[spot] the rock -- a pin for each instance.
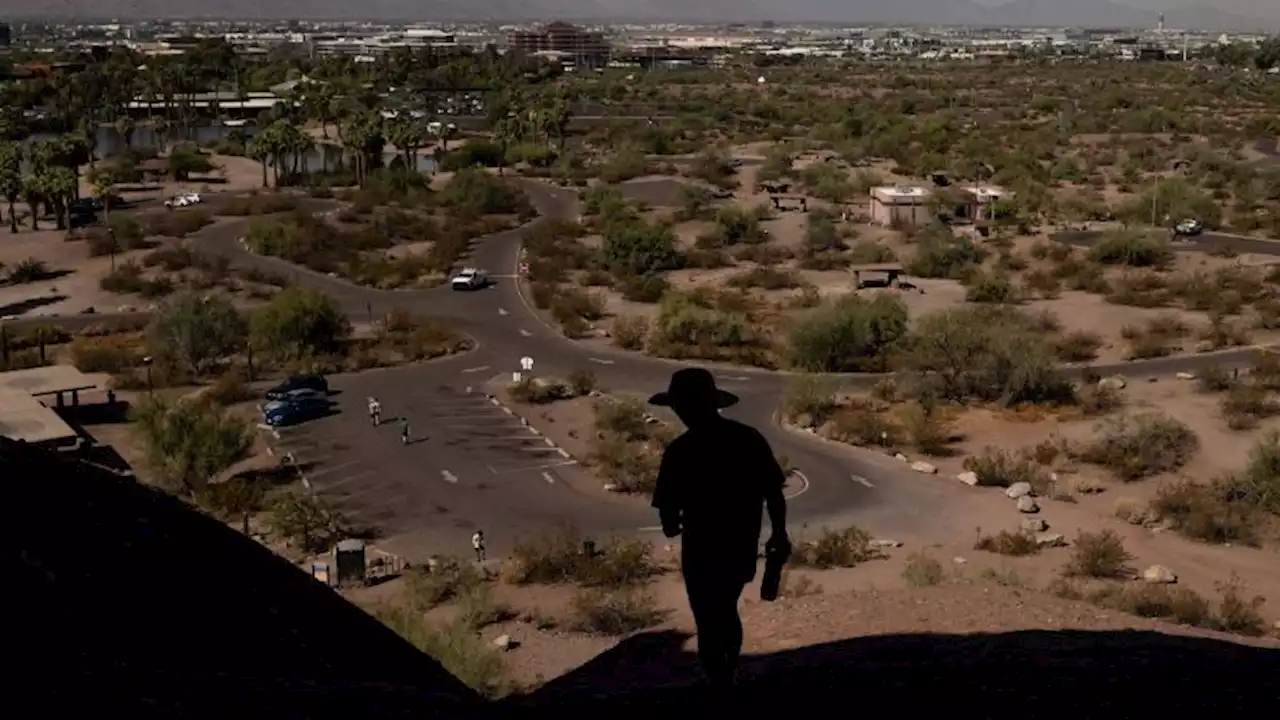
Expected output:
(1115, 382)
(1027, 504)
(968, 478)
(1018, 490)
(959, 560)
(1047, 539)
(502, 642)
(1185, 376)
(885, 544)
(900, 457)
(610, 487)
(804, 420)
(1034, 525)
(1159, 574)
(921, 466)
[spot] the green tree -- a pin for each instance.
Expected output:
(11, 179)
(304, 520)
(638, 248)
(189, 442)
(298, 323)
(196, 332)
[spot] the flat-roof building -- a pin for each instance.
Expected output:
(901, 205)
(23, 416)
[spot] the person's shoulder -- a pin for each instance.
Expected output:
(743, 431)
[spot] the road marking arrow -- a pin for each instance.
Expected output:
(861, 481)
(476, 369)
(449, 477)
(525, 333)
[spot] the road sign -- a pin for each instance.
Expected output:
(526, 363)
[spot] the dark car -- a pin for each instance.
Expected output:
(298, 382)
(296, 411)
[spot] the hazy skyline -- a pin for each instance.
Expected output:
(1211, 14)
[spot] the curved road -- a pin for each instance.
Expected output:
(844, 485)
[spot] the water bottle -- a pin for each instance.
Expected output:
(771, 584)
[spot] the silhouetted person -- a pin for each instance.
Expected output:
(477, 544)
(711, 487)
(404, 431)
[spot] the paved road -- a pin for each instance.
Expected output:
(473, 466)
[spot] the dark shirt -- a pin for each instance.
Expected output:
(717, 478)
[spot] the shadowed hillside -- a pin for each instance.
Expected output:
(128, 601)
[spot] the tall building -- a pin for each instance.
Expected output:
(586, 48)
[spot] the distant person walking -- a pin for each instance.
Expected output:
(712, 485)
(375, 412)
(404, 431)
(477, 544)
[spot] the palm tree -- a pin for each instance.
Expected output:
(33, 193)
(259, 148)
(125, 126)
(60, 185)
(11, 179)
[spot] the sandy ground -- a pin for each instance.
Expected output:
(231, 174)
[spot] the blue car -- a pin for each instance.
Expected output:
(316, 383)
(298, 411)
(292, 398)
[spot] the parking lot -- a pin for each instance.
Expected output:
(469, 464)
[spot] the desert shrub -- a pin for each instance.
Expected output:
(645, 289)
(258, 204)
(1099, 399)
(1161, 602)
(1223, 333)
(1135, 249)
(942, 255)
(923, 571)
(1139, 446)
(986, 287)
(710, 326)
(1246, 404)
(1211, 512)
(427, 587)
(614, 612)
(630, 331)
(1098, 555)
(582, 382)
(537, 391)
(861, 423)
(1007, 543)
(478, 608)
(1214, 378)
(1237, 614)
(566, 557)
(843, 548)
(1000, 468)
(230, 389)
(928, 429)
(811, 396)
(457, 647)
(177, 223)
(1140, 289)
(108, 354)
(847, 335)
(765, 278)
(1077, 346)
(992, 354)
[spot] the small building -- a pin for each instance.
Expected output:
(979, 201)
(901, 205)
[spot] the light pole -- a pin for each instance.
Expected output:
(146, 362)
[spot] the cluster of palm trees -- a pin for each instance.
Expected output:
(48, 181)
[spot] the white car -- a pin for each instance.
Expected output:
(1189, 227)
(469, 279)
(184, 200)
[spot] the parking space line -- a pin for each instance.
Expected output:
(345, 479)
(333, 468)
(550, 480)
(540, 449)
(449, 477)
(528, 468)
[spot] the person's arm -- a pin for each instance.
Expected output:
(665, 493)
(775, 501)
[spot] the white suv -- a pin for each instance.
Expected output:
(184, 200)
(469, 279)
(1189, 227)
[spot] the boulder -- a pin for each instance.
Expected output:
(610, 487)
(502, 642)
(1034, 525)
(804, 420)
(921, 466)
(1048, 539)
(884, 544)
(1027, 504)
(968, 478)
(1115, 382)
(1018, 490)
(1185, 376)
(900, 457)
(1158, 575)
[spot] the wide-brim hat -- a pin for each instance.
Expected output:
(694, 387)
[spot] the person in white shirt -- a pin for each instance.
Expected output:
(477, 544)
(375, 412)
